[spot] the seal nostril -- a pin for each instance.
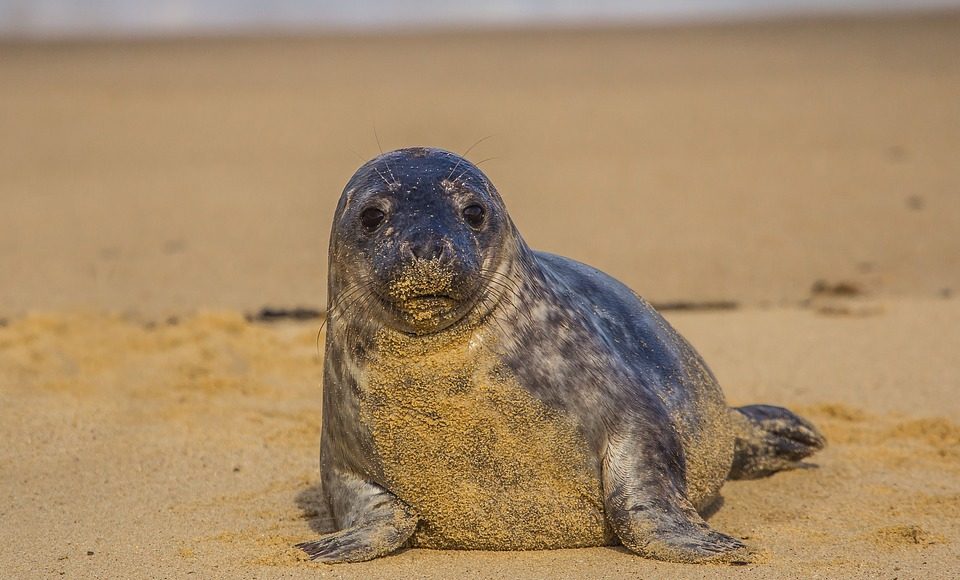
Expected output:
(429, 249)
(425, 251)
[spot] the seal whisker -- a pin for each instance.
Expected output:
(503, 281)
(475, 143)
(502, 278)
(354, 151)
(365, 307)
(356, 294)
(462, 173)
(493, 315)
(465, 153)
(517, 297)
(477, 164)
(362, 283)
(396, 182)
(359, 307)
(340, 302)
(513, 291)
(502, 289)
(520, 294)
(504, 284)
(319, 332)
(454, 168)
(389, 184)
(344, 299)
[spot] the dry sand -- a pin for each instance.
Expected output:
(193, 448)
(739, 163)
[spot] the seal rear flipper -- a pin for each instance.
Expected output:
(375, 534)
(771, 439)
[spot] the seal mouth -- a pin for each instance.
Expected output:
(428, 308)
(426, 295)
(431, 297)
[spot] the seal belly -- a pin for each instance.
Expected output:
(485, 464)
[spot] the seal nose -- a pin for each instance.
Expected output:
(427, 248)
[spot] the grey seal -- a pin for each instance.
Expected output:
(478, 394)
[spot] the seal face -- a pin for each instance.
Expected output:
(480, 395)
(421, 234)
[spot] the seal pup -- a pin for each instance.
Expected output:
(481, 395)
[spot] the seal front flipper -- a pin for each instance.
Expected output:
(645, 502)
(379, 524)
(771, 439)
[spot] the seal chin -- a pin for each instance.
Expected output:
(429, 313)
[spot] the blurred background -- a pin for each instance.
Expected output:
(178, 162)
(159, 157)
(72, 18)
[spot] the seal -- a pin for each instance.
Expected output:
(478, 394)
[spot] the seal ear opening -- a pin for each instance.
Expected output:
(771, 439)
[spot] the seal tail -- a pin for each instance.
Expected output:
(771, 439)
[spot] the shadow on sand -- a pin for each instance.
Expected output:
(314, 509)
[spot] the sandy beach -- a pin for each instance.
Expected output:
(790, 192)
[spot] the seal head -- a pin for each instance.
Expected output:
(416, 235)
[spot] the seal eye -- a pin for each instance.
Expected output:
(474, 215)
(371, 218)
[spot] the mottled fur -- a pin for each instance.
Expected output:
(524, 353)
